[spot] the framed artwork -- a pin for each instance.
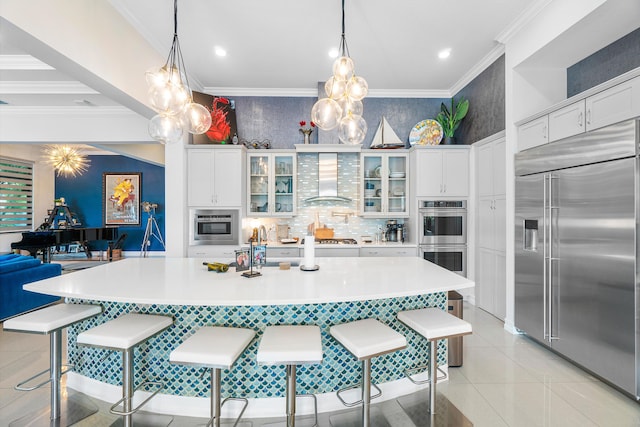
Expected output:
(121, 198)
(223, 119)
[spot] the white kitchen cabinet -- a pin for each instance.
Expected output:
(397, 251)
(441, 172)
(567, 121)
(613, 105)
(280, 252)
(219, 253)
(533, 133)
(491, 227)
(271, 184)
(490, 279)
(215, 177)
(385, 185)
(344, 251)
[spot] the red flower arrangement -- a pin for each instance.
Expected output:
(304, 130)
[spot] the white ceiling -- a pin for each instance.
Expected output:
(280, 47)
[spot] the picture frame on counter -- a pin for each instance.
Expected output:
(242, 259)
(121, 198)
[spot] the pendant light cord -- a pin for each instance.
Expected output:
(344, 49)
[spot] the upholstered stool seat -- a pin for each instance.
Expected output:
(434, 324)
(291, 345)
(217, 348)
(51, 321)
(123, 334)
(365, 339)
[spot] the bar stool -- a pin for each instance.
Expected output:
(291, 345)
(123, 334)
(217, 348)
(51, 321)
(434, 324)
(365, 339)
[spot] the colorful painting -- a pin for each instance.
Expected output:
(121, 198)
(223, 119)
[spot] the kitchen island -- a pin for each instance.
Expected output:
(342, 290)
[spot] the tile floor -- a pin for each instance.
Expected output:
(505, 380)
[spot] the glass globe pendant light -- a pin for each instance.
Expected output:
(171, 97)
(352, 129)
(343, 106)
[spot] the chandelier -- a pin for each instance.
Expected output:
(171, 97)
(66, 160)
(342, 108)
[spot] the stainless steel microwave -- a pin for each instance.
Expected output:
(214, 227)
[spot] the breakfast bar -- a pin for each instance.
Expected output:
(341, 290)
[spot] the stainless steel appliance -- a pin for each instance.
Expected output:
(576, 228)
(214, 227)
(442, 221)
(451, 257)
(443, 233)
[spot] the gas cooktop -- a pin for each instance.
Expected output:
(335, 241)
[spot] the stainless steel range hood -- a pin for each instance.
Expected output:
(328, 179)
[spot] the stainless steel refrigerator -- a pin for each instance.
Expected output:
(576, 219)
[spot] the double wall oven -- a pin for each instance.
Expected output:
(443, 233)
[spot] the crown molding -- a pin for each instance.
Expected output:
(257, 91)
(22, 62)
(408, 93)
(521, 20)
(7, 111)
(474, 72)
(313, 93)
(45, 87)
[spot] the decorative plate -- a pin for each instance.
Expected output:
(377, 172)
(426, 132)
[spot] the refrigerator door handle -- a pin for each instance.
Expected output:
(550, 259)
(545, 255)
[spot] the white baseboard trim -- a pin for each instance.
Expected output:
(511, 328)
(257, 408)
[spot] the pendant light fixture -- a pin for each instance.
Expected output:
(171, 97)
(342, 108)
(66, 160)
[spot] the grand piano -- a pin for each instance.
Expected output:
(35, 241)
(62, 228)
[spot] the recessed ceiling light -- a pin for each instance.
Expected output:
(333, 53)
(220, 51)
(443, 54)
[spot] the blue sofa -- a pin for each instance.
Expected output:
(15, 271)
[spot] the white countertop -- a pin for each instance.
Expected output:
(185, 281)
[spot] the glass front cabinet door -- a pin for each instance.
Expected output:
(384, 185)
(272, 181)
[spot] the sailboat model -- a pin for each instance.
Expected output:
(385, 137)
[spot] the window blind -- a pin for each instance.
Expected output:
(16, 195)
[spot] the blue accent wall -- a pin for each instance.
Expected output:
(611, 61)
(83, 195)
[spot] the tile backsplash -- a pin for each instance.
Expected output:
(348, 186)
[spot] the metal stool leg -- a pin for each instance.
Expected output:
(55, 361)
(215, 398)
(433, 367)
(127, 386)
(291, 395)
(366, 392)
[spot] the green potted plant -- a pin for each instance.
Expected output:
(450, 120)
